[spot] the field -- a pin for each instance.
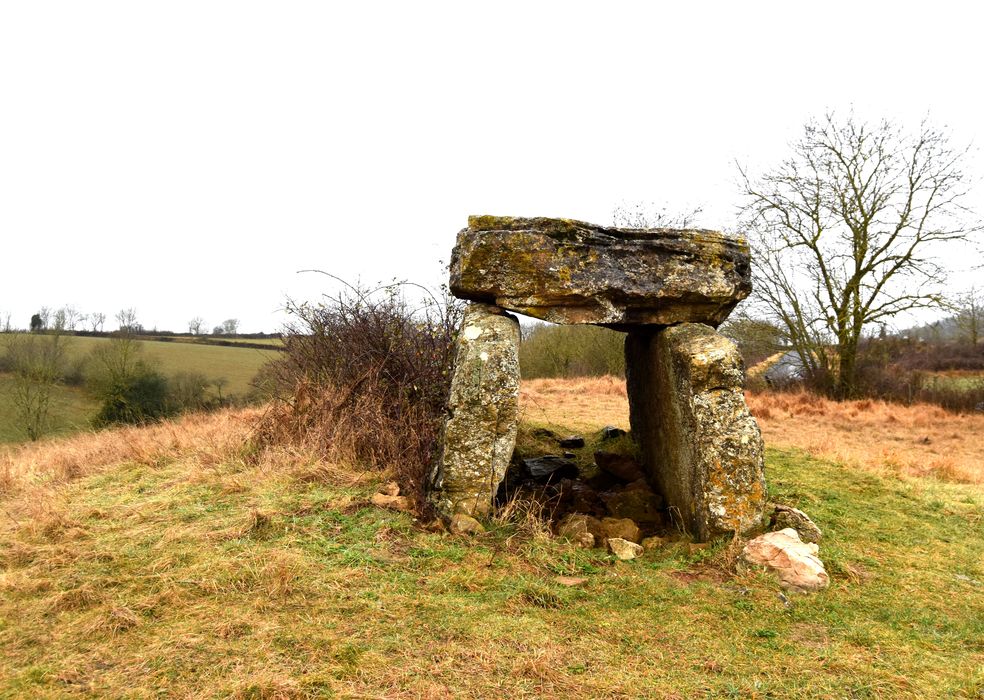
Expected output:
(73, 409)
(885, 438)
(175, 560)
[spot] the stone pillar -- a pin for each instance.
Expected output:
(699, 444)
(479, 431)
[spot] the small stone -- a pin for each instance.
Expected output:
(623, 549)
(581, 498)
(619, 528)
(550, 466)
(462, 524)
(572, 441)
(610, 432)
(435, 525)
(570, 580)
(654, 542)
(569, 455)
(619, 466)
(786, 516)
(579, 529)
(794, 561)
(391, 489)
(637, 503)
(401, 503)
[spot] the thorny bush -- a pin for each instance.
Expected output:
(365, 378)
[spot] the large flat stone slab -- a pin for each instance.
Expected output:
(479, 432)
(699, 443)
(567, 271)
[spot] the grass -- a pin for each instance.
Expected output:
(72, 409)
(959, 380)
(888, 438)
(170, 560)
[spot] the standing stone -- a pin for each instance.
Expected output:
(699, 443)
(568, 271)
(479, 431)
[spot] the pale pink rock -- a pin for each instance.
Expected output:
(795, 562)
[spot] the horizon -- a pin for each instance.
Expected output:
(190, 160)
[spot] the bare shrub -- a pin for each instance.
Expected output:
(364, 379)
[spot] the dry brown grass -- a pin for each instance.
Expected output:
(918, 440)
(585, 403)
(206, 437)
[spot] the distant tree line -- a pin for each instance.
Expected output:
(128, 387)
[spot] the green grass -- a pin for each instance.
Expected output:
(72, 409)
(955, 382)
(170, 577)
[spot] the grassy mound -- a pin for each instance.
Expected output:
(178, 564)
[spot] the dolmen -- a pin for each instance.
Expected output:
(668, 290)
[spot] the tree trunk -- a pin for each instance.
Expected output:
(846, 385)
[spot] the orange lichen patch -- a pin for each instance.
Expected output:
(918, 440)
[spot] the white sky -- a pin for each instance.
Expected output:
(187, 158)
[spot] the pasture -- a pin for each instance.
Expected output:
(174, 559)
(73, 409)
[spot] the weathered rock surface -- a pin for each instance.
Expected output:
(382, 500)
(479, 433)
(550, 465)
(568, 271)
(610, 432)
(701, 447)
(572, 442)
(623, 549)
(622, 528)
(794, 561)
(636, 502)
(462, 524)
(654, 542)
(578, 529)
(787, 516)
(619, 466)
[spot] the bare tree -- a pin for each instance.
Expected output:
(71, 317)
(196, 326)
(845, 233)
(127, 319)
(230, 326)
(37, 362)
(970, 315)
(60, 320)
(5, 321)
(96, 321)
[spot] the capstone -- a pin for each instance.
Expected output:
(567, 271)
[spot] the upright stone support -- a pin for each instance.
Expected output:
(699, 443)
(479, 431)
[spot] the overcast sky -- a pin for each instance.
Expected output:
(187, 158)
